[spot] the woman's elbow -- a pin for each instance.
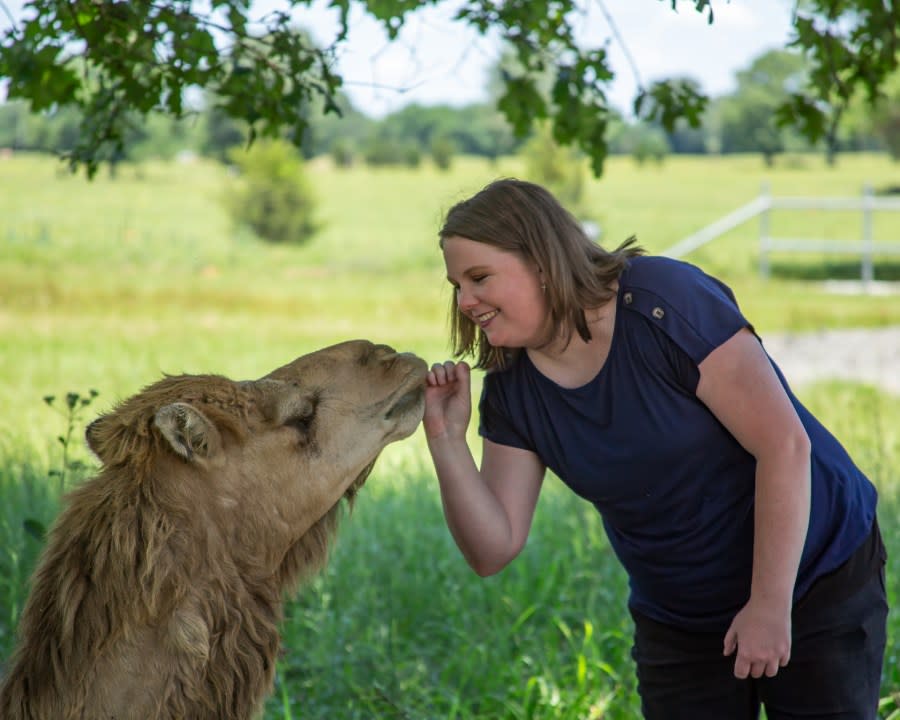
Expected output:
(486, 568)
(799, 444)
(791, 449)
(487, 564)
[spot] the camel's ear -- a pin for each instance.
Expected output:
(188, 431)
(93, 435)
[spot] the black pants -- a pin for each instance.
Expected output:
(837, 651)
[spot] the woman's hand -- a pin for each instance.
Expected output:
(448, 400)
(760, 639)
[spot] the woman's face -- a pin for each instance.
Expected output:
(499, 291)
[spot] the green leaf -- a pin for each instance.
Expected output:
(669, 100)
(521, 103)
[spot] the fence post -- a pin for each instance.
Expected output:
(765, 239)
(868, 271)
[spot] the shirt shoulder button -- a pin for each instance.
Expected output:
(659, 313)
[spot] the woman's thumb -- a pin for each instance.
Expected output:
(730, 644)
(463, 372)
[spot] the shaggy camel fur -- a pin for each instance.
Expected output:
(160, 589)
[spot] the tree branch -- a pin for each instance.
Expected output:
(12, 20)
(621, 41)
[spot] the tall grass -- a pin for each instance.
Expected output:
(397, 626)
(28, 503)
(402, 628)
(107, 285)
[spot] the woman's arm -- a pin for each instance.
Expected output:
(488, 510)
(741, 388)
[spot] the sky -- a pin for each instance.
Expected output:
(437, 61)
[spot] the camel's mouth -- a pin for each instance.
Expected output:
(409, 398)
(406, 403)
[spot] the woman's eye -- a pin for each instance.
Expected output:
(479, 278)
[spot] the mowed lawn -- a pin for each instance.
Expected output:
(108, 284)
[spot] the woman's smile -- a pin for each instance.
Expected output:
(485, 318)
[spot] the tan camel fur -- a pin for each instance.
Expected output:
(160, 589)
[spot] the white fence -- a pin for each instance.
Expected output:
(866, 246)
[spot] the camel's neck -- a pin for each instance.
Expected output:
(128, 583)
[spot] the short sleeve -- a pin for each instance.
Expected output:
(695, 310)
(495, 421)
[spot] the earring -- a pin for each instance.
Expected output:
(543, 287)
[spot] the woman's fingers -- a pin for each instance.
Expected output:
(445, 373)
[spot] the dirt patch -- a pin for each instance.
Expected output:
(869, 355)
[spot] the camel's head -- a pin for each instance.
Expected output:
(267, 458)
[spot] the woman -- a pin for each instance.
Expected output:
(748, 534)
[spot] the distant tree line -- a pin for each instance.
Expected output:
(119, 62)
(740, 122)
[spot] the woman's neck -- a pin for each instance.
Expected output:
(577, 362)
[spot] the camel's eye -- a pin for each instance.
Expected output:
(302, 418)
(303, 423)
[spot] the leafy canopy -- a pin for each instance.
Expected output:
(116, 61)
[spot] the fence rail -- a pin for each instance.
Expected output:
(866, 247)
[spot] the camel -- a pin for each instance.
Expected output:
(160, 590)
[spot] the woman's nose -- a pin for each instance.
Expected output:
(465, 300)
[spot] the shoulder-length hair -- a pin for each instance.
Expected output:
(524, 218)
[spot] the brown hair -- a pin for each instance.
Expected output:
(525, 218)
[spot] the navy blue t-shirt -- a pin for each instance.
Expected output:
(674, 488)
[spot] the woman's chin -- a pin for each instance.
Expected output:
(497, 339)
(492, 340)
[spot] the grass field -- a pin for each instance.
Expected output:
(106, 285)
